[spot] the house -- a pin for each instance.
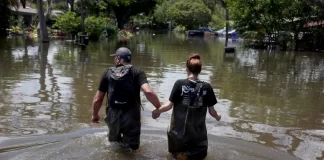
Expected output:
(312, 40)
(27, 13)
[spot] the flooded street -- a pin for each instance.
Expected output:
(275, 100)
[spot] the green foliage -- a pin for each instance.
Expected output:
(283, 39)
(121, 2)
(68, 23)
(123, 34)
(217, 22)
(12, 21)
(60, 6)
(111, 30)
(160, 12)
(274, 16)
(141, 20)
(20, 22)
(257, 14)
(124, 9)
(94, 26)
(253, 35)
(190, 13)
(211, 4)
(16, 29)
(180, 28)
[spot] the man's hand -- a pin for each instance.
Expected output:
(95, 118)
(218, 117)
(155, 114)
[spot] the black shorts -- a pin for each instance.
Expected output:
(123, 128)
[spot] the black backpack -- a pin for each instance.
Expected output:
(121, 88)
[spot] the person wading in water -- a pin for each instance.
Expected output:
(123, 84)
(191, 98)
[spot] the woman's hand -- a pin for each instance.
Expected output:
(213, 113)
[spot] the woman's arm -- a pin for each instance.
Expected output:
(156, 113)
(213, 113)
(165, 107)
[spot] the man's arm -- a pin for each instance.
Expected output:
(148, 91)
(96, 105)
(150, 95)
(99, 97)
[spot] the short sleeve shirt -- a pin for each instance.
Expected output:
(184, 116)
(183, 87)
(139, 79)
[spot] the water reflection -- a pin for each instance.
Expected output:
(273, 98)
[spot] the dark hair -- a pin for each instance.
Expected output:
(194, 63)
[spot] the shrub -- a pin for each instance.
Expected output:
(94, 26)
(68, 23)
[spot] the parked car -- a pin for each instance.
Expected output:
(201, 32)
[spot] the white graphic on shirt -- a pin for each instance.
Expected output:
(186, 89)
(188, 96)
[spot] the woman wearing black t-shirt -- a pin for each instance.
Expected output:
(190, 99)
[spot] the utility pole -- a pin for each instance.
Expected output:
(227, 25)
(82, 16)
(226, 48)
(83, 36)
(42, 31)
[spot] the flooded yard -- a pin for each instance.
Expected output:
(272, 103)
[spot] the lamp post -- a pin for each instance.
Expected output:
(82, 17)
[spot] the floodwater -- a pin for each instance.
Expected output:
(272, 103)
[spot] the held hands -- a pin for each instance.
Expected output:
(156, 114)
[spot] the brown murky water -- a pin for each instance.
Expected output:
(274, 99)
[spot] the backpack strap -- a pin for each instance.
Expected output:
(198, 87)
(120, 71)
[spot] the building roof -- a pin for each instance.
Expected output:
(27, 10)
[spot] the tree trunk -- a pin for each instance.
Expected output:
(23, 3)
(122, 16)
(41, 22)
(227, 25)
(72, 5)
(120, 19)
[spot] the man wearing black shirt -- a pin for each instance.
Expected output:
(122, 84)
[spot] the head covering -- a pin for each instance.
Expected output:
(123, 53)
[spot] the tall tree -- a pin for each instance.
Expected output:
(261, 15)
(319, 3)
(5, 12)
(190, 13)
(297, 13)
(124, 9)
